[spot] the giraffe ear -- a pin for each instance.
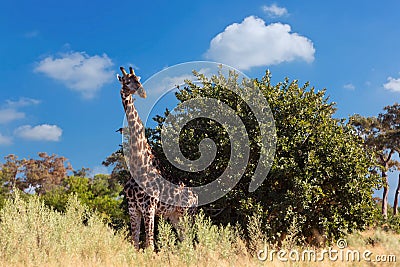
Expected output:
(138, 77)
(119, 78)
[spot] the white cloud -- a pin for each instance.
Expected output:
(78, 71)
(9, 111)
(392, 84)
(167, 83)
(4, 140)
(275, 11)
(252, 43)
(42, 132)
(349, 86)
(22, 102)
(10, 114)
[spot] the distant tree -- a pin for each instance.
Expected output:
(47, 177)
(45, 173)
(82, 172)
(382, 135)
(120, 173)
(97, 193)
(9, 176)
(4, 192)
(320, 178)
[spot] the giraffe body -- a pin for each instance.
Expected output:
(143, 201)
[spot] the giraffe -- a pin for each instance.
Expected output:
(143, 167)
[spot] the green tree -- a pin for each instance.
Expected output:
(98, 193)
(120, 173)
(320, 177)
(382, 135)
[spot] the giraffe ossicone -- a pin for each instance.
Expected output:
(143, 188)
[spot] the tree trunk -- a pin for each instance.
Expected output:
(385, 194)
(396, 198)
(385, 182)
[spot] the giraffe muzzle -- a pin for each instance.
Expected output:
(141, 92)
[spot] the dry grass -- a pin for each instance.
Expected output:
(372, 243)
(31, 234)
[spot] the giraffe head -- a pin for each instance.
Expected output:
(131, 83)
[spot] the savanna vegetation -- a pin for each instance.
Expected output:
(318, 190)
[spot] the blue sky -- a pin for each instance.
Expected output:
(59, 59)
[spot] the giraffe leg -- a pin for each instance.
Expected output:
(174, 219)
(135, 218)
(149, 225)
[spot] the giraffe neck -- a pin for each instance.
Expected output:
(140, 156)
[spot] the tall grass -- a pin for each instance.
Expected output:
(32, 234)
(202, 243)
(35, 235)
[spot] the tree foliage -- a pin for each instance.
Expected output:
(45, 173)
(98, 193)
(9, 175)
(320, 176)
(120, 173)
(40, 175)
(382, 135)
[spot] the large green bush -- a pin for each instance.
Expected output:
(319, 181)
